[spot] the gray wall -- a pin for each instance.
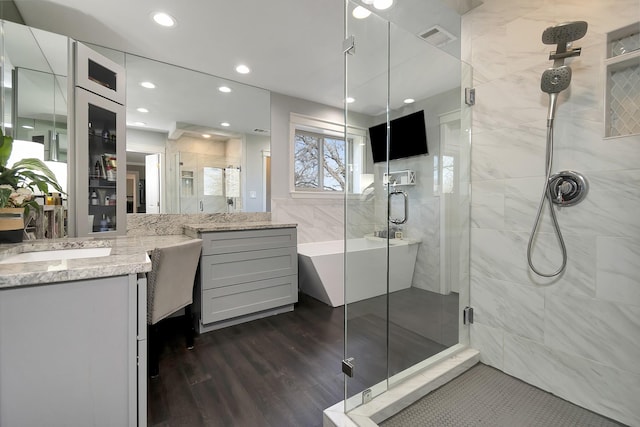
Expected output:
(255, 146)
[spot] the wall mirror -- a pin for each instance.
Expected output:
(212, 135)
(34, 96)
(189, 123)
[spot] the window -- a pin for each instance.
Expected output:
(320, 162)
(323, 163)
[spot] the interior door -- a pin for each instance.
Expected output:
(152, 177)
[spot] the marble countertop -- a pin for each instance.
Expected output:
(193, 229)
(128, 255)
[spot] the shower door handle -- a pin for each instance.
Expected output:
(406, 207)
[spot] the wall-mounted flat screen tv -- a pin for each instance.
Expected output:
(408, 138)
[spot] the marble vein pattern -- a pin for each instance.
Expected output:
(310, 215)
(592, 335)
(488, 204)
(490, 343)
(517, 309)
(617, 261)
(128, 256)
(167, 224)
(233, 226)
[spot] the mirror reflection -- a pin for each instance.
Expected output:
(195, 142)
(209, 135)
(34, 104)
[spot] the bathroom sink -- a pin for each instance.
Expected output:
(55, 255)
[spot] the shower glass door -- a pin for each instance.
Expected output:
(406, 224)
(366, 255)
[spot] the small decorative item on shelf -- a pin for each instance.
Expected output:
(94, 199)
(110, 166)
(105, 135)
(17, 184)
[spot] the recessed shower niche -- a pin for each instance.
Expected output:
(622, 97)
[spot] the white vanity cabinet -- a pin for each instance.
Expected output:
(70, 351)
(245, 275)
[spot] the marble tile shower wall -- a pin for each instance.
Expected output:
(576, 336)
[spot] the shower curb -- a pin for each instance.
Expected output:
(404, 394)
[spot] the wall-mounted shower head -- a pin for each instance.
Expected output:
(555, 80)
(565, 32)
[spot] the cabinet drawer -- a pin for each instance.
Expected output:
(232, 268)
(237, 241)
(247, 298)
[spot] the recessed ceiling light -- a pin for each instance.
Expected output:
(360, 12)
(142, 110)
(243, 69)
(409, 101)
(148, 85)
(350, 100)
(139, 124)
(28, 127)
(206, 135)
(225, 124)
(224, 89)
(164, 19)
(382, 4)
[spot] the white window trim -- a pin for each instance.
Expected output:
(324, 127)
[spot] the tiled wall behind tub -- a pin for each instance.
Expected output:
(577, 335)
(321, 220)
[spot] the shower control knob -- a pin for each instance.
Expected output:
(567, 188)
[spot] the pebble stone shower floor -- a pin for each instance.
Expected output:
(484, 396)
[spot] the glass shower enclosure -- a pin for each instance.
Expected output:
(407, 214)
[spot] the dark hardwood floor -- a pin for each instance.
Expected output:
(282, 370)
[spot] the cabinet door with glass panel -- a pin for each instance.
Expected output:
(100, 144)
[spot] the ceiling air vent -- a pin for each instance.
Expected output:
(258, 130)
(437, 36)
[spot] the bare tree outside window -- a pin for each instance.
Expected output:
(320, 162)
(307, 164)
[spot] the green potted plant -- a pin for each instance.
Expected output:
(17, 186)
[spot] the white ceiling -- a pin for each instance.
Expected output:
(293, 47)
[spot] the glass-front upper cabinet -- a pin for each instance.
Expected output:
(100, 144)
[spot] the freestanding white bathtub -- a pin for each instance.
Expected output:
(321, 268)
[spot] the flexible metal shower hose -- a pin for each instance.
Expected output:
(546, 195)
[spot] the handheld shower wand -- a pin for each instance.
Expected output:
(555, 80)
